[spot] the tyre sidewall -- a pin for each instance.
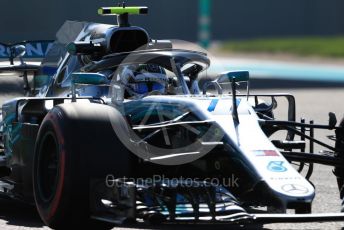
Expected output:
(71, 192)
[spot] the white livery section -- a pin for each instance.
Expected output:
(270, 165)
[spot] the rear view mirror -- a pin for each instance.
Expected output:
(228, 77)
(89, 78)
(238, 76)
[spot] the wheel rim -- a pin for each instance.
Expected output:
(48, 167)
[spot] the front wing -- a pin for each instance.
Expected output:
(181, 202)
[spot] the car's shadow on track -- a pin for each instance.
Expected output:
(19, 214)
(194, 226)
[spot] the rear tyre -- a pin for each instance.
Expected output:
(73, 146)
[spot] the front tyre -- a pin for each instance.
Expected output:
(339, 171)
(75, 143)
(59, 179)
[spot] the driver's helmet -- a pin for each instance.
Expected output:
(143, 79)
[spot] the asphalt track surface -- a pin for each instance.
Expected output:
(312, 103)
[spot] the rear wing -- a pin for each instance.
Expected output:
(34, 50)
(26, 51)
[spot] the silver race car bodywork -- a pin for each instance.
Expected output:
(80, 148)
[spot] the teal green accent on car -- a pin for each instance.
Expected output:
(11, 133)
(12, 130)
(238, 76)
(71, 48)
(89, 78)
(140, 110)
(42, 80)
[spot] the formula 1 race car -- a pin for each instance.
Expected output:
(119, 128)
